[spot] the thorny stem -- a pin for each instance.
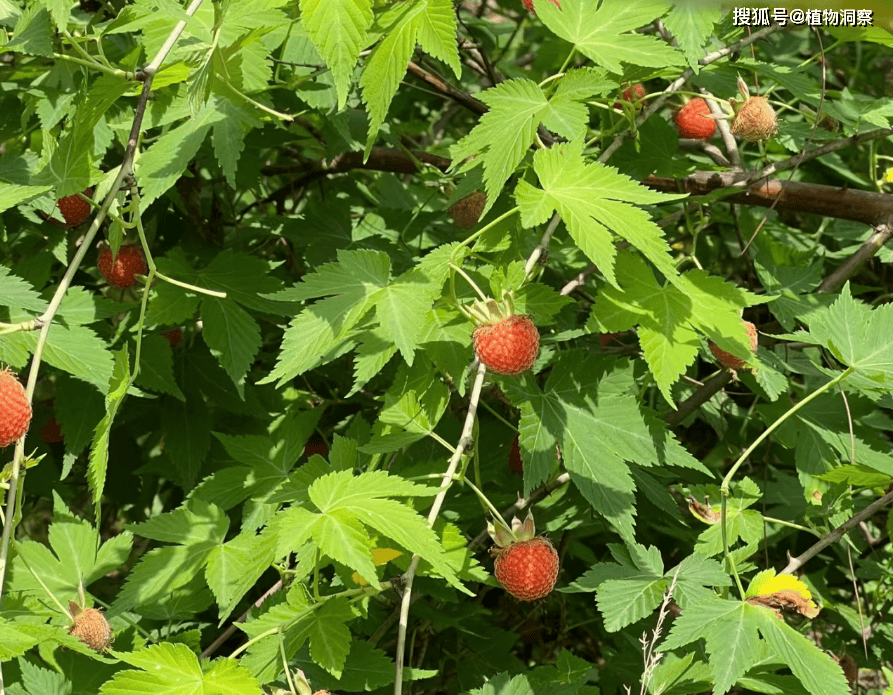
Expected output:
(676, 85)
(409, 576)
(124, 172)
(797, 562)
(724, 488)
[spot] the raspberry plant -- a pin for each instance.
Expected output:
(296, 496)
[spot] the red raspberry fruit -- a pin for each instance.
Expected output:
(15, 410)
(527, 569)
(693, 120)
(515, 461)
(467, 211)
(51, 433)
(727, 359)
(121, 270)
(755, 120)
(316, 445)
(173, 336)
(90, 627)
(507, 346)
(74, 209)
(606, 338)
(633, 95)
(529, 5)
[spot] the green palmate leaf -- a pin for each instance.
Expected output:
(344, 539)
(593, 200)
(175, 668)
(730, 634)
(196, 523)
(599, 427)
(159, 167)
(401, 311)
(502, 136)
(158, 575)
(730, 630)
(232, 335)
(246, 279)
(638, 593)
(228, 136)
(79, 408)
(692, 26)
(157, 367)
(603, 35)
(432, 24)
(857, 334)
(358, 274)
(72, 558)
(361, 496)
(18, 294)
(330, 639)
(373, 353)
(234, 567)
(670, 316)
(80, 352)
(14, 642)
(314, 337)
(416, 400)
(33, 32)
(338, 30)
(99, 454)
(741, 523)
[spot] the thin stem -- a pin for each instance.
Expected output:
(114, 72)
(409, 576)
(782, 522)
(470, 281)
(797, 562)
(186, 285)
(724, 488)
(487, 503)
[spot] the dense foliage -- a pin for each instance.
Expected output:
(261, 442)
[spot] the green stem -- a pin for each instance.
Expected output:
(114, 72)
(724, 488)
(443, 442)
(470, 281)
(186, 285)
(488, 226)
(489, 505)
(782, 522)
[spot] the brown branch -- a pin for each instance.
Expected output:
(849, 267)
(448, 90)
(829, 538)
(811, 198)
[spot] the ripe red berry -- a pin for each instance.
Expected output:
(316, 445)
(727, 359)
(15, 410)
(174, 336)
(51, 433)
(755, 120)
(527, 569)
(467, 211)
(90, 627)
(632, 94)
(529, 5)
(74, 209)
(515, 461)
(121, 270)
(606, 338)
(507, 346)
(693, 120)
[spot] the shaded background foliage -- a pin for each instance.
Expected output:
(302, 158)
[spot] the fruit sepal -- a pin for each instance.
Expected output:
(520, 531)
